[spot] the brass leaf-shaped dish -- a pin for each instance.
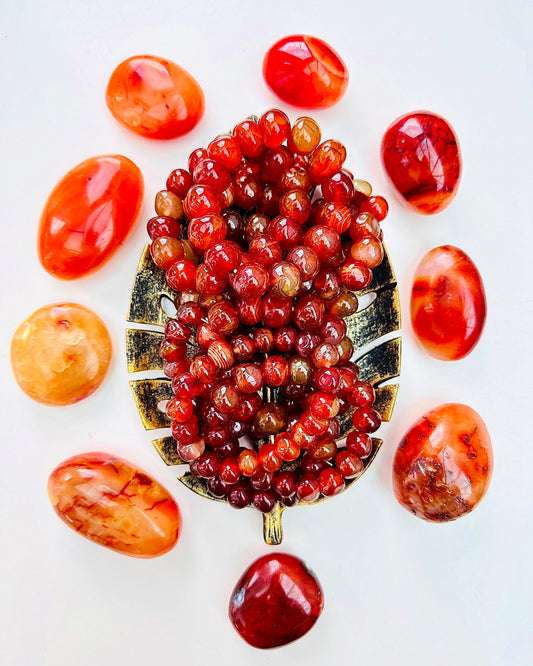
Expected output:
(377, 351)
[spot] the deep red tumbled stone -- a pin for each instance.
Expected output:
(276, 601)
(448, 306)
(305, 71)
(88, 215)
(154, 97)
(443, 465)
(420, 153)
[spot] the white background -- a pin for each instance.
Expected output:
(397, 590)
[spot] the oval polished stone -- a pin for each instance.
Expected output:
(443, 465)
(60, 354)
(109, 501)
(420, 153)
(88, 215)
(276, 601)
(448, 305)
(154, 97)
(305, 71)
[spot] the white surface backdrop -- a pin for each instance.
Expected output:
(397, 590)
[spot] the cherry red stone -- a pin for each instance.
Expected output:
(443, 465)
(305, 71)
(88, 215)
(448, 307)
(420, 153)
(154, 97)
(276, 601)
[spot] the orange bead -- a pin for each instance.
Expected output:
(109, 501)
(60, 354)
(154, 97)
(88, 215)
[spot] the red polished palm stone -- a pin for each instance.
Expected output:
(154, 97)
(305, 71)
(420, 153)
(448, 305)
(443, 465)
(276, 601)
(88, 215)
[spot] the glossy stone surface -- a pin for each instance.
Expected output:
(443, 465)
(109, 501)
(305, 71)
(420, 153)
(276, 601)
(88, 215)
(154, 97)
(448, 305)
(60, 354)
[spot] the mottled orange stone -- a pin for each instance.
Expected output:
(154, 97)
(60, 354)
(443, 465)
(109, 501)
(88, 215)
(448, 306)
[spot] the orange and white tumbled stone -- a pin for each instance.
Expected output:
(111, 502)
(60, 354)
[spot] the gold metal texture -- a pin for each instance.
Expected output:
(377, 352)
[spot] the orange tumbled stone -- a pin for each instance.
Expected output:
(443, 465)
(448, 305)
(109, 501)
(305, 71)
(88, 215)
(154, 97)
(60, 354)
(421, 155)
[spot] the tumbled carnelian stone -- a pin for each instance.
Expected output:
(109, 501)
(448, 306)
(88, 215)
(443, 465)
(420, 153)
(277, 600)
(154, 97)
(305, 71)
(60, 354)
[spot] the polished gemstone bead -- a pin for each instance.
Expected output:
(286, 231)
(109, 501)
(308, 488)
(448, 306)
(277, 600)
(269, 419)
(443, 465)
(168, 204)
(348, 464)
(60, 354)
(88, 215)
(154, 97)
(165, 250)
(250, 280)
(421, 156)
(305, 71)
